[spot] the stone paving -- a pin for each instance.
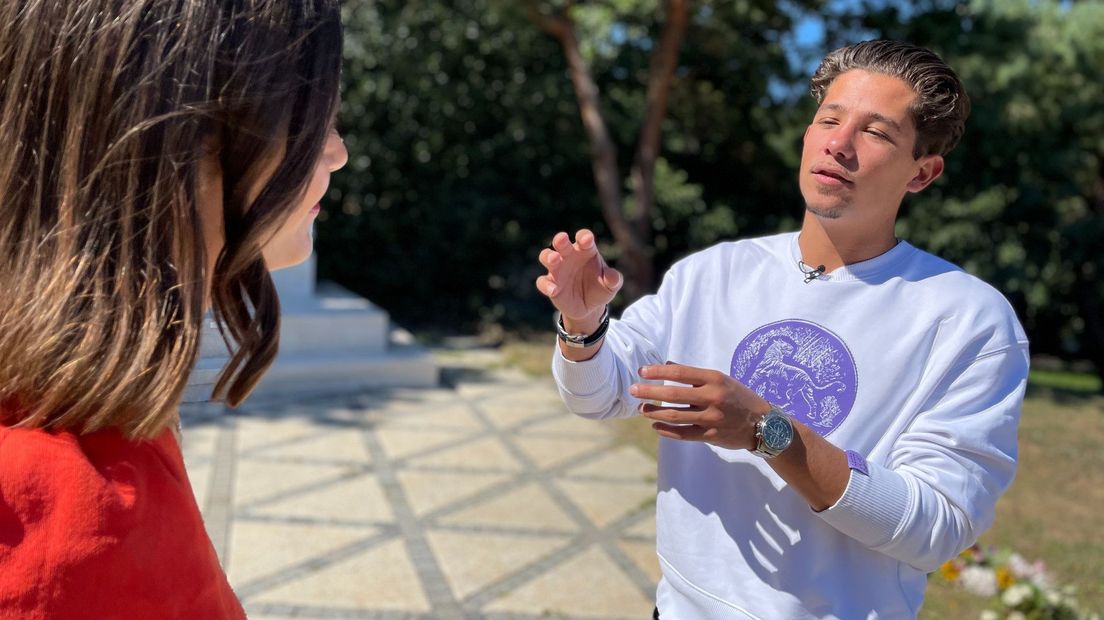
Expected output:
(482, 500)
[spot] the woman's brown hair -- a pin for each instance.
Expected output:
(107, 108)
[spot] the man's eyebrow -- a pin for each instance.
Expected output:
(874, 115)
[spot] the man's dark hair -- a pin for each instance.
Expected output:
(942, 105)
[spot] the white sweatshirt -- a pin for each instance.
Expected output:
(904, 359)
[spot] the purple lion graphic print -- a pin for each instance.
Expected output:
(801, 367)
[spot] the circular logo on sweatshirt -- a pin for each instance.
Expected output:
(803, 368)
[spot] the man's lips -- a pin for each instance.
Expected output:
(831, 176)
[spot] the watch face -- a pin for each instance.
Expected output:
(777, 432)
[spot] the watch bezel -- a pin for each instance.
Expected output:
(762, 446)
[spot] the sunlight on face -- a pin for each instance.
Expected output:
(857, 158)
(293, 242)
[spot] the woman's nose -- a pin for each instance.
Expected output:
(336, 153)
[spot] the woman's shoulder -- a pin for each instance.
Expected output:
(97, 482)
(102, 515)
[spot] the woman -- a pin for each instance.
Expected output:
(159, 157)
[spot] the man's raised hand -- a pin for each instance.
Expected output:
(578, 282)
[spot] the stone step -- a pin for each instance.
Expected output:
(348, 372)
(332, 324)
(331, 340)
(333, 330)
(401, 364)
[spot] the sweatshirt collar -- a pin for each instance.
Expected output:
(869, 269)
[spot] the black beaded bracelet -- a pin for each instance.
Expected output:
(582, 341)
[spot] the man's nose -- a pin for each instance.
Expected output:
(840, 144)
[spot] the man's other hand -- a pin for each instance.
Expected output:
(578, 282)
(717, 408)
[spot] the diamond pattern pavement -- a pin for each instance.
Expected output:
(483, 500)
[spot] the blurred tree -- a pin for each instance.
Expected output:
(723, 118)
(1022, 200)
(467, 151)
(738, 110)
(632, 232)
(467, 154)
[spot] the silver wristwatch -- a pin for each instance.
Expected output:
(774, 432)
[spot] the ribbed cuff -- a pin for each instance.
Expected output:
(872, 507)
(587, 378)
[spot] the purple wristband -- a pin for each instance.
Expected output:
(858, 463)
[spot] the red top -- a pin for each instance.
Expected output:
(96, 526)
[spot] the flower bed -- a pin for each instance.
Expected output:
(1020, 590)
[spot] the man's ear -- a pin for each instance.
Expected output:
(931, 166)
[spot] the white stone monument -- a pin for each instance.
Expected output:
(331, 341)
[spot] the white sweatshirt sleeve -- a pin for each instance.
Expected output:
(598, 388)
(939, 488)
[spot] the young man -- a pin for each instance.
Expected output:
(838, 409)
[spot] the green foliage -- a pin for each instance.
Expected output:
(467, 150)
(728, 133)
(1075, 382)
(466, 154)
(1022, 200)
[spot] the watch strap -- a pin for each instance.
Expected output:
(582, 341)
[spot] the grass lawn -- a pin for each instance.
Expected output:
(1054, 510)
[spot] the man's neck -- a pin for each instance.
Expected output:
(822, 243)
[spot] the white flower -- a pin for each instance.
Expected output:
(1016, 616)
(1017, 594)
(1020, 567)
(989, 614)
(1054, 597)
(979, 580)
(1032, 571)
(1039, 575)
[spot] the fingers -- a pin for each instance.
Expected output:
(679, 373)
(584, 242)
(547, 287)
(674, 415)
(563, 253)
(612, 279)
(669, 394)
(561, 243)
(584, 239)
(550, 259)
(685, 433)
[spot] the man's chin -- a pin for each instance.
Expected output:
(827, 213)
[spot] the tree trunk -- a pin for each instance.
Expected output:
(631, 235)
(661, 73)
